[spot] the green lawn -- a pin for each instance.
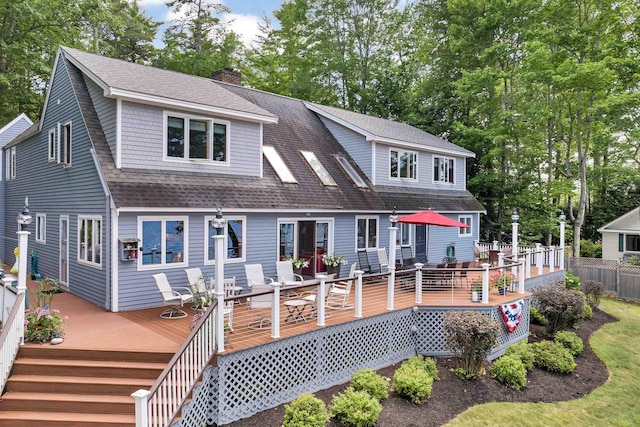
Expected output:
(617, 403)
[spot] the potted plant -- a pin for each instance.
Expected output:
(476, 290)
(297, 263)
(333, 263)
(501, 280)
(201, 298)
(44, 324)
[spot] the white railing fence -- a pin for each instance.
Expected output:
(11, 338)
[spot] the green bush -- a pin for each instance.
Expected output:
(593, 291)
(355, 408)
(588, 311)
(572, 281)
(470, 335)
(521, 351)
(553, 357)
(412, 381)
(368, 380)
(306, 411)
(563, 308)
(589, 249)
(426, 363)
(570, 341)
(510, 370)
(537, 318)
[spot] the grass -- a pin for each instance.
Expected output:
(613, 404)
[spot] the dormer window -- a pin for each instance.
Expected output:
(196, 138)
(404, 164)
(443, 169)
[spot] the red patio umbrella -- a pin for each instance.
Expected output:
(429, 218)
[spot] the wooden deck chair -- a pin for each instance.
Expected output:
(262, 303)
(286, 276)
(229, 291)
(383, 260)
(463, 274)
(255, 276)
(338, 296)
(172, 297)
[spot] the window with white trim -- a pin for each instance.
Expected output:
(41, 228)
(405, 234)
(65, 145)
(404, 164)
(196, 138)
(164, 241)
(53, 146)
(90, 240)
(443, 169)
(367, 232)
(234, 234)
(465, 219)
(10, 169)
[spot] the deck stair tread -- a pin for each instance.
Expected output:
(80, 380)
(88, 363)
(66, 397)
(68, 417)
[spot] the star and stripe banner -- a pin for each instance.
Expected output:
(44, 311)
(512, 313)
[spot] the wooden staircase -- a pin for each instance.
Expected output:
(54, 386)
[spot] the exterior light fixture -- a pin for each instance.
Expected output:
(562, 216)
(24, 218)
(514, 216)
(393, 218)
(219, 222)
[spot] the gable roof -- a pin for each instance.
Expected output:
(150, 85)
(615, 225)
(389, 131)
(21, 117)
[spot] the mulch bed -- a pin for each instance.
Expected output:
(452, 395)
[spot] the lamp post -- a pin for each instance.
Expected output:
(562, 218)
(393, 232)
(24, 219)
(218, 224)
(514, 236)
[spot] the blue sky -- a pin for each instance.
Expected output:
(245, 16)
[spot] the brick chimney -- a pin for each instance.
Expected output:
(227, 75)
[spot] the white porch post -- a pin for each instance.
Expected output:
(527, 260)
(218, 224)
(485, 283)
(514, 239)
(24, 219)
(141, 398)
(495, 244)
(521, 271)
(500, 259)
(359, 274)
(419, 266)
(539, 258)
(275, 310)
(552, 259)
(563, 217)
(393, 232)
(320, 299)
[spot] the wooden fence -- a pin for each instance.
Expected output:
(619, 279)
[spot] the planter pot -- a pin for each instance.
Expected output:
(502, 291)
(476, 296)
(297, 271)
(336, 270)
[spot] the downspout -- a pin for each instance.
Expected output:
(111, 220)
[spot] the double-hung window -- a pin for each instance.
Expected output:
(443, 169)
(403, 164)
(633, 243)
(196, 138)
(234, 238)
(52, 146)
(41, 228)
(164, 241)
(367, 232)
(10, 169)
(90, 240)
(404, 237)
(463, 232)
(65, 149)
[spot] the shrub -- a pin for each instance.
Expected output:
(426, 363)
(553, 357)
(536, 317)
(593, 291)
(570, 341)
(572, 281)
(412, 381)
(355, 408)
(588, 311)
(510, 370)
(306, 411)
(563, 308)
(521, 351)
(589, 249)
(43, 324)
(368, 380)
(470, 336)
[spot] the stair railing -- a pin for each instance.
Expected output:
(11, 338)
(158, 406)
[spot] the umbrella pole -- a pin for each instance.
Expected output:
(427, 245)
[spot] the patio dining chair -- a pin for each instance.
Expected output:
(383, 260)
(286, 276)
(255, 276)
(262, 303)
(312, 296)
(197, 281)
(408, 260)
(229, 291)
(365, 262)
(172, 297)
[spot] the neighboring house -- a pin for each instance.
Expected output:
(621, 237)
(128, 164)
(7, 133)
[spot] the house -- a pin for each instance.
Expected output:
(128, 164)
(621, 237)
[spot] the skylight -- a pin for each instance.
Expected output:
(349, 170)
(318, 168)
(278, 165)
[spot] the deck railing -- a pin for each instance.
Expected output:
(158, 406)
(11, 338)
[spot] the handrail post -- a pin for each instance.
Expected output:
(141, 398)
(522, 273)
(500, 259)
(320, 299)
(23, 241)
(539, 258)
(419, 266)
(485, 283)
(359, 274)
(527, 265)
(275, 311)
(495, 245)
(552, 259)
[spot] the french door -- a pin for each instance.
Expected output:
(306, 239)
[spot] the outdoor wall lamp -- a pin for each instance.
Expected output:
(514, 216)
(24, 218)
(562, 216)
(219, 222)
(393, 218)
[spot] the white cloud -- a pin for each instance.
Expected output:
(245, 25)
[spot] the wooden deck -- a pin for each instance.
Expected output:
(92, 327)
